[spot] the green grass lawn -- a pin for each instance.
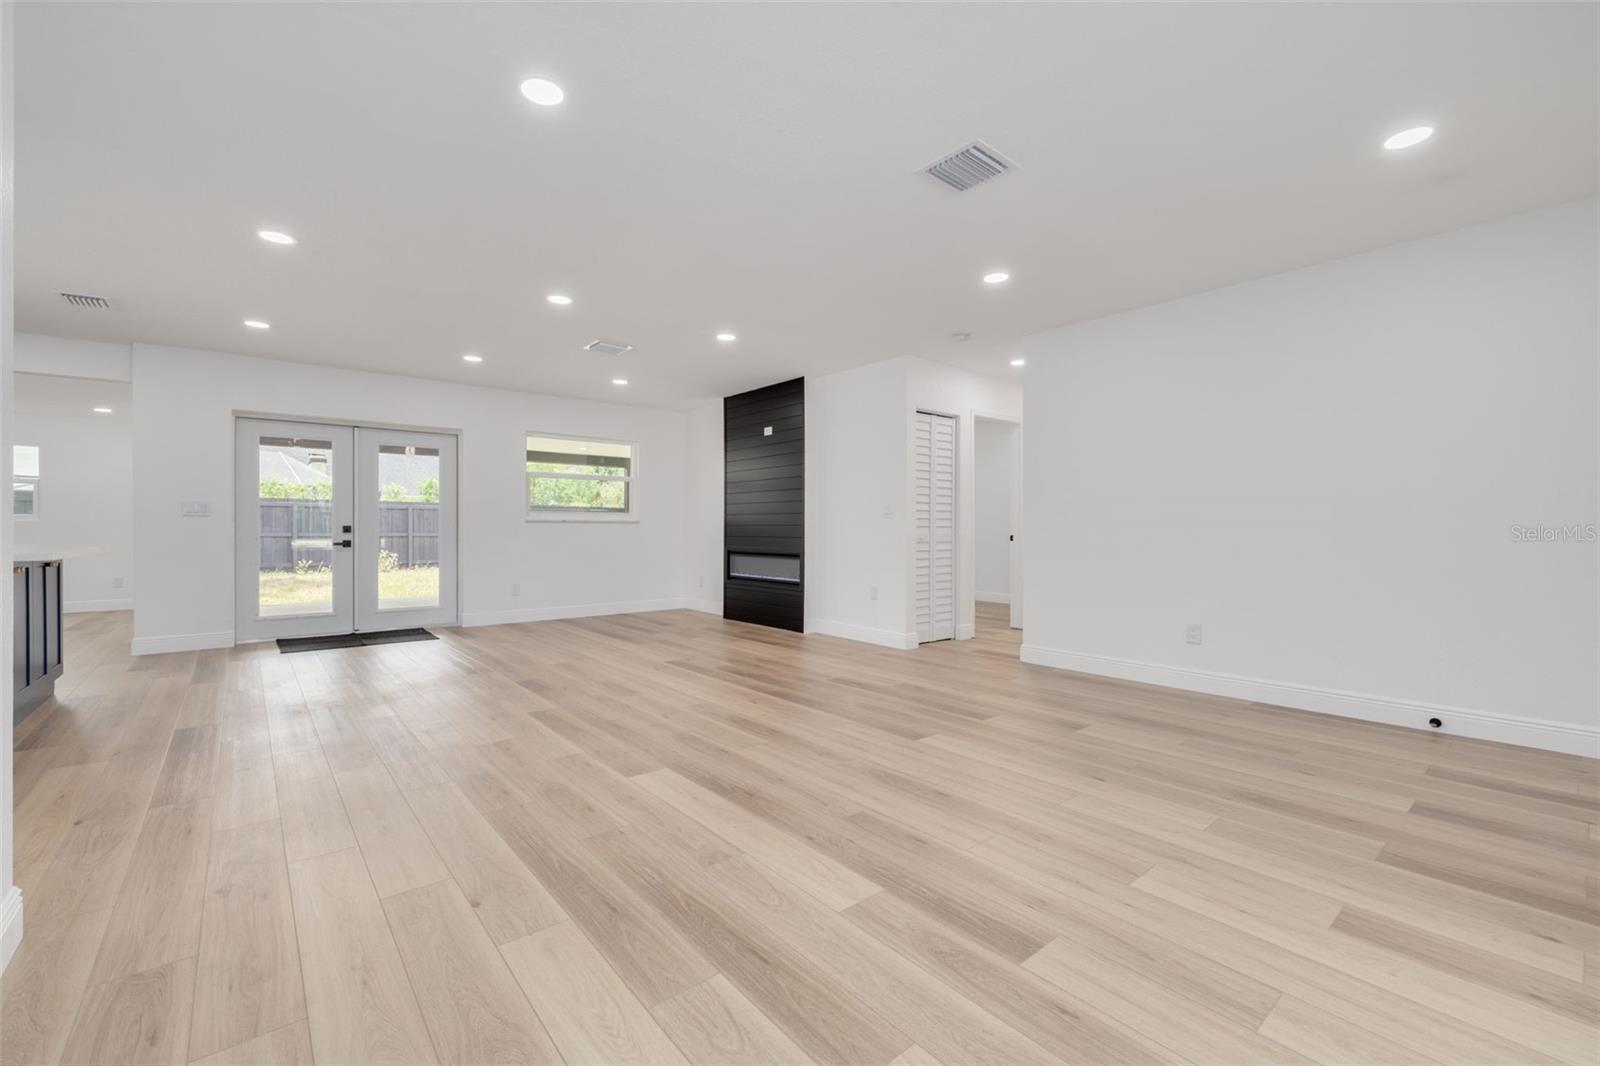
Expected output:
(286, 589)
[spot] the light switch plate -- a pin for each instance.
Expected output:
(195, 508)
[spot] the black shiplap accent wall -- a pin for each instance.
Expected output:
(764, 508)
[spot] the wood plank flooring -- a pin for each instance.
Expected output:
(668, 838)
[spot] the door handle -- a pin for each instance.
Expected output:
(341, 544)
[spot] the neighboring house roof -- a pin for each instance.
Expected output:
(407, 471)
(289, 465)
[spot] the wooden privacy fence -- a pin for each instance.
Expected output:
(290, 530)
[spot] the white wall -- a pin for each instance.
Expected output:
(85, 505)
(1324, 468)
(184, 403)
(707, 467)
(38, 353)
(858, 504)
(10, 895)
(994, 477)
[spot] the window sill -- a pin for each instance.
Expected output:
(628, 519)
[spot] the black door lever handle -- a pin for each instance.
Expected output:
(341, 544)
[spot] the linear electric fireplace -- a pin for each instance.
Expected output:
(784, 568)
(764, 509)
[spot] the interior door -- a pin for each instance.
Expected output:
(293, 521)
(405, 553)
(934, 448)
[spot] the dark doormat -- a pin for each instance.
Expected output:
(352, 640)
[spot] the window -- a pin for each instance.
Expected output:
(579, 477)
(25, 481)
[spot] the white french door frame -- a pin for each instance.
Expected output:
(355, 492)
(249, 623)
(370, 613)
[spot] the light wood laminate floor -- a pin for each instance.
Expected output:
(664, 838)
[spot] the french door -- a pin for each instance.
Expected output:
(342, 529)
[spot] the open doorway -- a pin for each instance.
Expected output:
(71, 513)
(997, 491)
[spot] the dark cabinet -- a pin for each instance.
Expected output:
(36, 652)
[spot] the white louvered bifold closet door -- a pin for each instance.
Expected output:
(936, 527)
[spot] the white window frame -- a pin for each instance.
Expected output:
(578, 514)
(31, 479)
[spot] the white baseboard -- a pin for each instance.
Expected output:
(706, 606)
(182, 642)
(10, 925)
(966, 632)
(1479, 725)
(85, 606)
(992, 597)
(580, 610)
(886, 638)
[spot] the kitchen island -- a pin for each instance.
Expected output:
(36, 637)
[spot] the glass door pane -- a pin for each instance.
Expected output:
(406, 529)
(293, 520)
(295, 575)
(408, 526)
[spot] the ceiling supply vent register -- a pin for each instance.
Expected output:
(972, 165)
(86, 302)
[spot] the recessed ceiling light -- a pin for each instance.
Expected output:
(543, 92)
(619, 381)
(256, 323)
(1019, 361)
(102, 410)
(997, 277)
(472, 357)
(1407, 138)
(559, 299)
(727, 336)
(272, 236)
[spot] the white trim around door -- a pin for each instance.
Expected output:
(406, 558)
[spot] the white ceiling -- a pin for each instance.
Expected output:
(753, 168)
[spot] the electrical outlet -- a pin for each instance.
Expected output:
(872, 593)
(702, 582)
(516, 590)
(1192, 633)
(116, 582)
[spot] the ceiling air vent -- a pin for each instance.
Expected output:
(88, 303)
(607, 347)
(973, 165)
